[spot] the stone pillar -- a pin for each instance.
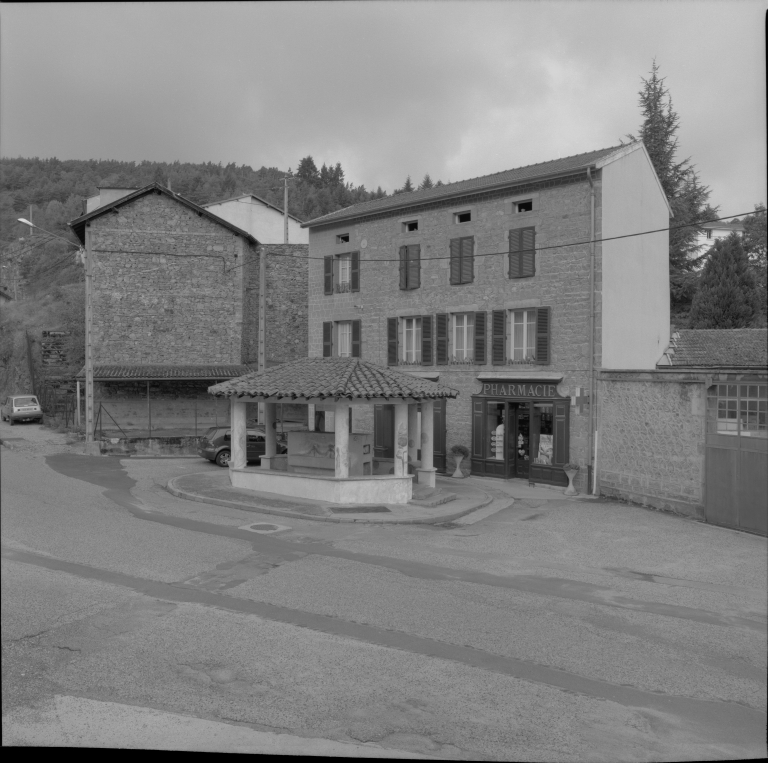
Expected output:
(401, 439)
(238, 458)
(270, 433)
(426, 473)
(413, 429)
(342, 439)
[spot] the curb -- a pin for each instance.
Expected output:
(442, 519)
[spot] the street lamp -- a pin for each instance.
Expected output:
(86, 258)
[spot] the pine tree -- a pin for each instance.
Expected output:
(426, 183)
(728, 296)
(408, 187)
(686, 195)
(307, 171)
(756, 246)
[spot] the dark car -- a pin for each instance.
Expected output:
(216, 445)
(21, 408)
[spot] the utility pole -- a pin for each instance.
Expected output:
(285, 206)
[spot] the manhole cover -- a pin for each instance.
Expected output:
(264, 527)
(357, 509)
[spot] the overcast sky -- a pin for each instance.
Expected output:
(389, 89)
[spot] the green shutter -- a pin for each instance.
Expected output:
(499, 337)
(441, 338)
(328, 274)
(467, 260)
(515, 270)
(455, 261)
(391, 341)
(403, 267)
(357, 341)
(426, 340)
(480, 341)
(543, 332)
(354, 272)
(560, 454)
(414, 266)
(327, 339)
(528, 252)
(478, 436)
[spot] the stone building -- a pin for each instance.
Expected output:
(512, 288)
(691, 435)
(176, 309)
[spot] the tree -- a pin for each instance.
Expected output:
(307, 171)
(755, 246)
(728, 296)
(408, 187)
(426, 182)
(686, 195)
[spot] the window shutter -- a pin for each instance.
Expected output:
(414, 266)
(528, 252)
(403, 267)
(357, 342)
(467, 260)
(480, 339)
(426, 340)
(543, 321)
(515, 271)
(327, 339)
(328, 274)
(478, 435)
(354, 272)
(441, 338)
(391, 341)
(498, 340)
(455, 261)
(560, 444)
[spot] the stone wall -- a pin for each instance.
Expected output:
(652, 440)
(561, 214)
(286, 304)
(167, 285)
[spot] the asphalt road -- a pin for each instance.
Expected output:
(553, 630)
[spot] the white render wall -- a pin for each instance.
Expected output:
(264, 223)
(635, 271)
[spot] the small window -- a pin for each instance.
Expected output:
(342, 238)
(463, 217)
(411, 226)
(709, 234)
(525, 206)
(344, 339)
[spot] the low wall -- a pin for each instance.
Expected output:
(149, 446)
(352, 490)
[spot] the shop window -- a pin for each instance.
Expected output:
(737, 409)
(494, 427)
(542, 434)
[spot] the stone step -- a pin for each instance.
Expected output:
(432, 497)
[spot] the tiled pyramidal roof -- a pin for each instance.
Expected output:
(720, 348)
(518, 175)
(350, 378)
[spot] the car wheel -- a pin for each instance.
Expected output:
(222, 458)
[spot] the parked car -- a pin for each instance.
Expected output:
(21, 408)
(216, 445)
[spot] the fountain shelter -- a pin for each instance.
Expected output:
(343, 382)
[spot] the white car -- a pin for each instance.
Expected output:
(21, 408)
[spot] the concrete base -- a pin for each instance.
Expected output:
(352, 490)
(426, 477)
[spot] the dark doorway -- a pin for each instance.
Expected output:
(384, 433)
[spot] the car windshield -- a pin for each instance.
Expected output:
(17, 401)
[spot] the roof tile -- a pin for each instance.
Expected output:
(720, 348)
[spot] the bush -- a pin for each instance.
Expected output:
(460, 450)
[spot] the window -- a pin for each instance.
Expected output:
(709, 233)
(462, 217)
(411, 226)
(341, 273)
(523, 335)
(463, 337)
(522, 253)
(462, 260)
(342, 339)
(409, 341)
(737, 409)
(342, 238)
(410, 267)
(524, 206)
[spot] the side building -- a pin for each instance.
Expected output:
(512, 288)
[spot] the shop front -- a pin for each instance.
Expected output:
(520, 430)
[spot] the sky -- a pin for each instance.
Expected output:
(452, 88)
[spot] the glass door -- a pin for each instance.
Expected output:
(520, 440)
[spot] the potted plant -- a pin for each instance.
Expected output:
(571, 470)
(460, 452)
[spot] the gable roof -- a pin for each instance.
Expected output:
(351, 378)
(252, 196)
(719, 348)
(724, 225)
(531, 172)
(78, 224)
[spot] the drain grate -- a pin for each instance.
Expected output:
(357, 509)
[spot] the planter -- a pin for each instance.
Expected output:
(571, 473)
(458, 458)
